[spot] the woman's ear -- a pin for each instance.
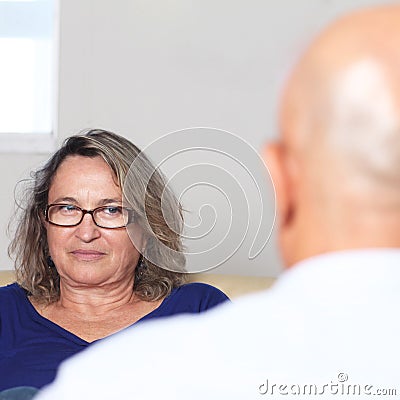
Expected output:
(43, 220)
(275, 158)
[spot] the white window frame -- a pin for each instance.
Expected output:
(39, 142)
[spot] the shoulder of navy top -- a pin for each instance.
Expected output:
(9, 294)
(12, 297)
(190, 298)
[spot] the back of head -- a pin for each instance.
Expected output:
(339, 183)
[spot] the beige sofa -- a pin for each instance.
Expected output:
(233, 285)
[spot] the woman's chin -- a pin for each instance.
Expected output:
(89, 276)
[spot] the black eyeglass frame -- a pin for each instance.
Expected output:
(91, 212)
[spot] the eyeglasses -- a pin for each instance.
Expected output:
(110, 217)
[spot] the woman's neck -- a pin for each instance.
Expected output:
(92, 313)
(94, 300)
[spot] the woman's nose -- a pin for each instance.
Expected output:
(87, 230)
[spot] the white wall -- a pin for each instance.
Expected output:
(145, 68)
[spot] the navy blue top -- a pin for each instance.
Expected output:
(32, 347)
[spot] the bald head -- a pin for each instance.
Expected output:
(343, 99)
(339, 164)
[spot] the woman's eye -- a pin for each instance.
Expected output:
(112, 210)
(67, 208)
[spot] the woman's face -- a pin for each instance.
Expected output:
(86, 254)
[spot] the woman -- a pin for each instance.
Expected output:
(81, 276)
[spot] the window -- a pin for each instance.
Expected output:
(28, 33)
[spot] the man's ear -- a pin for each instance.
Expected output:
(276, 161)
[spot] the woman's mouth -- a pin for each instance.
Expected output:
(87, 255)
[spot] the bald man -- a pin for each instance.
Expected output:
(330, 326)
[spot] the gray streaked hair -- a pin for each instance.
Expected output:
(29, 245)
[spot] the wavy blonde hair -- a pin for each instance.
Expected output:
(29, 246)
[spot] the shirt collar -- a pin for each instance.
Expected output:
(345, 270)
